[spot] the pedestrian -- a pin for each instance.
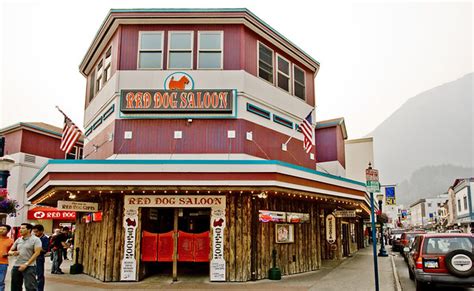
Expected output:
(5, 245)
(38, 230)
(59, 243)
(26, 248)
(51, 241)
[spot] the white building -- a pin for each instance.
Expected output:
(425, 212)
(464, 203)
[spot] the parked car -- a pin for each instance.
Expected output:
(444, 259)
(406, 236)
(394, 234)
(407, 250)
(396, 244)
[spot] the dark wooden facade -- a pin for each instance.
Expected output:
(248, 242)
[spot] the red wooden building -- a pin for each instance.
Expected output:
(186, 112)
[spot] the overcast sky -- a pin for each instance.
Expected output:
(374, 55)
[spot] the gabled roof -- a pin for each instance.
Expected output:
(332, 123)
(116, 17)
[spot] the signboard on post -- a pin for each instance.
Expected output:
(372, 175)
(331, 228)
(373, 186)
(345, 213)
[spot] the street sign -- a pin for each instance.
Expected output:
(372, 175)
(373, 186)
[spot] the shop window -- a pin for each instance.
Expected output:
(283, 73)
(299, 84)
(150, 54)
(75, 154)
(180, 50)
(265, 63)
(210, 50)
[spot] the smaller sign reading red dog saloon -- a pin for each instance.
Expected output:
(135, 101)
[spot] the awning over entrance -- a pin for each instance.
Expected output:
(59, 178)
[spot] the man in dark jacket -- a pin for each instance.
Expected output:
(38, 230)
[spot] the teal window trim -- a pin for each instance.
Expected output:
(108, 112)
(97, 123)
(282, 121)
(258, 111)
(88, 132)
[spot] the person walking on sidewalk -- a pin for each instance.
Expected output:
(26, 248)
(5, 245)
(59, 243)
(38, 230)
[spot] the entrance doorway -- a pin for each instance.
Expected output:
(176, 232)
(345, 239)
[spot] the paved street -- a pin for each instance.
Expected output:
(409, 285)
(355, 273)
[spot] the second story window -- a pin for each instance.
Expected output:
(299, 84)
(98, 76)
(107, 65)
(75, 154)
(180, 50)
(150, 54)
(265, 63)
(465, 202)
(283, 73)
(210, 50)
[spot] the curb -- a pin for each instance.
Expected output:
(398, 286)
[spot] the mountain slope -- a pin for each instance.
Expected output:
(434, 128)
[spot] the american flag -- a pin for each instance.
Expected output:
(71, 134)
(308, 132)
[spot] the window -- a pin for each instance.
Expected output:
(102, 72)
(210, 50)
(108, 65)
(299, 88)
(265, 63)
(98, 77)
(459, 205)
(429, 204)
(75, 154)
(180, 50)
(150, 52)
(283, 73)
(464, 200)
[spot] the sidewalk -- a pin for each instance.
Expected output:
(355, 273)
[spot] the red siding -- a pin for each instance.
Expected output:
(326, 144)
(330, 145)
(13, 142)
(41, 145)
(106, 148)
(341, 155)
(207, 136)
(129, 43)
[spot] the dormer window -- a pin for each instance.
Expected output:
(150, 54)
(283, 73)
(180, 50)
(265, 63)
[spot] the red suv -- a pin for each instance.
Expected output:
(442, 259)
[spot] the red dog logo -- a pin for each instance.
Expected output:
(218, 222)
(178, 85)
(131, 222)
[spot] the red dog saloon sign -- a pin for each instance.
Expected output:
(179, 95)
(146, 100)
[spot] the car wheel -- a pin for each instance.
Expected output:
(410, 274)
(460, 263)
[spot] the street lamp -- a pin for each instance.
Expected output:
(382, 252)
